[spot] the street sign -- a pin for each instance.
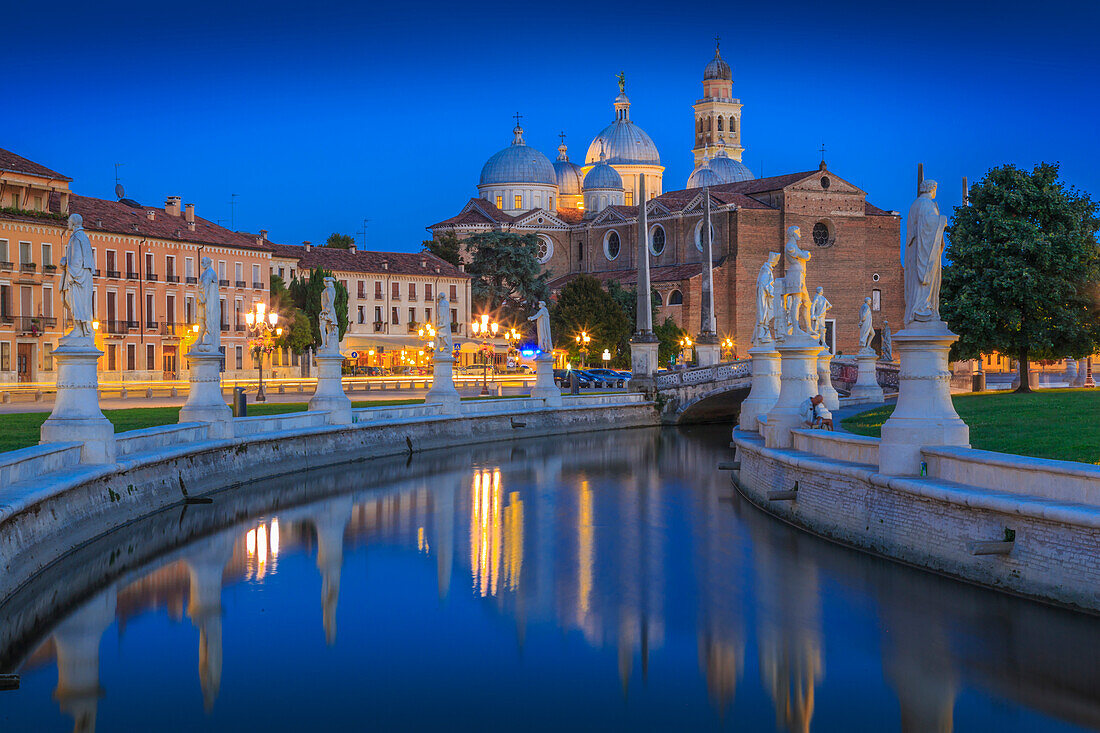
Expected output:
(355, 355)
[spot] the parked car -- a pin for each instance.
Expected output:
(564, 378)
(594, 380)
(612, 377)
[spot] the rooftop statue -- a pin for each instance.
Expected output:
(209, 309)
(622, 82)
(923, 256)
(765, 301)
(818, 309)
(796, 300)
(866, 326)
(76, 280)
(327, 320)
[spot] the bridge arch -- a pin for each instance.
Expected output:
(704, 394)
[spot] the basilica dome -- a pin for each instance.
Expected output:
(717, 68)
(623, 142)
(518, 163)
(568, 174)
(603, 175)
(729, 170)
(704, 175)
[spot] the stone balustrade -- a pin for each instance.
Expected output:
(704, 374)
(838, 446)
(1023, 475)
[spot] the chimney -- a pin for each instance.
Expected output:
(151, 214)
(189, 214)
(263, 234)
(306, 245)
(172, 205)
(461, 267)
(423, 263)
(385, 265)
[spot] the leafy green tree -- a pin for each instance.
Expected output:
(627, 298)
(306, 292)
(340, 241)
(446, 247)
(296, 332)
(669, 336)
(506, 274)
(1024, 268)
(584, 305)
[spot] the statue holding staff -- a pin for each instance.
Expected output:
(923, 256)
(76, 280)
(765, 301)
(542, 328)
(209, 309)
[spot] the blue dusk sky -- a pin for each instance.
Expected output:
(318, 115)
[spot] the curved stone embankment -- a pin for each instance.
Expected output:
(1022, 525)
(51, 504)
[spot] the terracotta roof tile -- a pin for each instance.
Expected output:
(9, 161)
(350, 260)
(477, 211)
(573, 216)
(672, 273)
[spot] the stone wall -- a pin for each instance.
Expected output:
(935, 522)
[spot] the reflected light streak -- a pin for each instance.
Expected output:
(422, 541)
(250, 542)
(485, 532)
(585, 541)
(513, 541)
(274, 538)
(261, 551)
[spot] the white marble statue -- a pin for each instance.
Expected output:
(76, 281)
(796, 299)
(923, 256)
(542, 328)
(818, 309)
(209, 310)
(444, 340)
(327, 321)
(866, 325)
(888, 342)
(765, 301)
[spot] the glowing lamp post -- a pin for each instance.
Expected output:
(426, 333)
(485, 330)
(262, 325)
(685, 346)
(727, 349)
(583, 339)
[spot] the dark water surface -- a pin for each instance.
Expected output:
(607, 581)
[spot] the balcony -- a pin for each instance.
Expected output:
(223, 283)
(241, 284)
(412, 297)
(7, 318)
(95, 272)
(114, 327)
(113, 273)
(27, 267)
(151, 276)
(7, 266)
(412, 326)
(170, 328)
(191, 280)
(257, 285)
(49, 269)
(239, 328)
(456, 327)
(172, 278)
(379, 296)
(35, 325)
(131, 325)
(225, 327)
(132, 275)
(152, 325)
(379, 326)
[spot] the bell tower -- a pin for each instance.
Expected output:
(717, 114)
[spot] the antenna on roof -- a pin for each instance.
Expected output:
(364, 232)
(120, 192)
(233, 211)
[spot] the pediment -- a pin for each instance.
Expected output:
(541, 218)
(816, 182)
(611, 216)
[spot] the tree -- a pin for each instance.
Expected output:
(296, 332)
(306, 292)
(506, 273)
(1024, 268)
(669, 336)
(584, 305)
(446, 247)
(340, 241)
(627, 298)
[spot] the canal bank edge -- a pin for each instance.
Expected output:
(1027, 526)
(44, 518)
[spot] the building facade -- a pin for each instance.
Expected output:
(854, 245)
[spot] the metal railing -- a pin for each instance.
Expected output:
(132, 275)
(27, 267)
(7, 266)
(151, 276)
(241, 284)
(114, 273)
(172, 278)
(36, 324)
(257, 284)
(191, 280)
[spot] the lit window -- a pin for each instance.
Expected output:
(500, 201)
(629, 198)
(519, 201)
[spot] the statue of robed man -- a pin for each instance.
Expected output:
(444, 339)
(765, 301)
(923, 256)
(76, 280)
(542, 328)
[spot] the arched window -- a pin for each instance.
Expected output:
(656, 240)
(660, 302)
(710, 124)
(675, 298)
(546, 249)
(699, 237)
(733, 124)
(611, 244)
(719, 124)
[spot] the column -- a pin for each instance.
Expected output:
(866, 388)
(443, 384)
(643, 344)
(798, 382)
(765, 386)
(544, 388)
(76, 640)
(205, 402)
(924, 414)
(706, 342)
(76, 417)
(825, 380)
(329, 396)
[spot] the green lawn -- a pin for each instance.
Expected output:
(1051, 423)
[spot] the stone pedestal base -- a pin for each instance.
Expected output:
(76, 417)
(643, 362)
(924, 415)
(544, 388)
(205, 402)
(798, 382)
(443, 384)
(329, 396)
(707, 353)
(866, 388)
(765, 386)
(825, 380)
(1071, 370)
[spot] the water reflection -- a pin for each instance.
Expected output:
(637, 589)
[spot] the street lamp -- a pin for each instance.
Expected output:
(262, 326)
(727, 348)
(486, 331)
(583, 340)
(685, 344)
(427, 334)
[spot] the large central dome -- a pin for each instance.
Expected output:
(623, 142)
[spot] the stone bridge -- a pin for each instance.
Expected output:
(710, 393)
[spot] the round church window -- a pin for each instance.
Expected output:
(611, 245)
(546, 249)
(699, 236)
(657, 240)
(823, 235)
(825, 181)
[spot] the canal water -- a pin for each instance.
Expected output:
(602, 581)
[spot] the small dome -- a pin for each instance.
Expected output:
(518, 163)
(624, 143)
(703, 176)
(717, 68)
(568, 174)
(603, 175)
(729, 170)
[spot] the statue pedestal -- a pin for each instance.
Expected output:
(825, 380)
(798, 382)
(76, 417)
(866, 388)
(443, 384)
(924, 415)
(643, 361)
(329, 396)
(765, 386)
(708, 353)
(205, 402)
(544, 388)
